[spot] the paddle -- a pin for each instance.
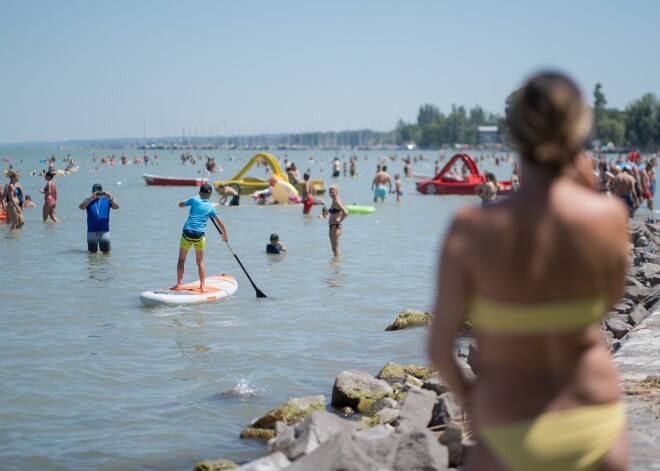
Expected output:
(260, 293)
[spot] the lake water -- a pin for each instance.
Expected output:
(90, 379)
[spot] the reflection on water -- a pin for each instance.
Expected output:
(100, 267)
(337, 277)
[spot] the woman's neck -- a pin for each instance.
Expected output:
(535, 177)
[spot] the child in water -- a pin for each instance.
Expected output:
(275, 246)
(324, 213)
(397, 187)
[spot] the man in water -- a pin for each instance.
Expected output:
(623, 186)
(308, 192)
(381, 179)
(98, 207)
(226, 191)
(193, 233)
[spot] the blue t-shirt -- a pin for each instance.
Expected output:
(98, 215)
(200, 210)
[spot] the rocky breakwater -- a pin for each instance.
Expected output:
(403, 418)
(642, 289)
(406, 417)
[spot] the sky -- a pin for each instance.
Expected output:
(92, 70)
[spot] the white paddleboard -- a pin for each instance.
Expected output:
(217, 287)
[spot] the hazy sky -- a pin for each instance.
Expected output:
(92, 69)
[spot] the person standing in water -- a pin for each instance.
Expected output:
(50, 197)
(194, 233)
(98, 207)
(13, 196)
(535, 274)
(337, 215)
(381, 179)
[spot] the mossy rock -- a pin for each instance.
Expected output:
(220, 464)
(395, 371)
(466, 327)
(411, 318)
(260, 433)
(353, 388)
(293, 411)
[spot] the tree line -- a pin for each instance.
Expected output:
(638, 125)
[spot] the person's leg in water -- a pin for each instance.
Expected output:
(335, 232)
(180, 268)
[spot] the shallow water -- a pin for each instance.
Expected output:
(90, 379)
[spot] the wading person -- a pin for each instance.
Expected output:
(382, 184)
(337, 214)
(13, 196)
(98, 207)
(201, 209)
(229, 192)
(50, 196)
(535, 274)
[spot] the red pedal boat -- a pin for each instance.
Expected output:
(173, 181)
(462, 181)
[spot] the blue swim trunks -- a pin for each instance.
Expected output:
(380, 192)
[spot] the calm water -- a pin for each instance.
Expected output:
(90, 379)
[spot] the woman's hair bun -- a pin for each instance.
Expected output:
(548, 120)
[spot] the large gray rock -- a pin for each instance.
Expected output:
(387, 415)
(653, 280)
(420, 451)
(452, 438)
(632, 281)
(411, 318)
(416, 410)
(405, 451)
(382, 403)
(306, 436)
(637, 315)
(436, 384)
(639, 294)
(647, 269)
(617, 327)
(353, 387)
(446, 409)
(340, 453)
(623, 308)
(273, 462)
(293, 411)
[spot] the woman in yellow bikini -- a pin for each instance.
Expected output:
(535, 274)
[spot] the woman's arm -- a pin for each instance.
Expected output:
(449, 309)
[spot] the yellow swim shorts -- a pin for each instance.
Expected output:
(187, 242)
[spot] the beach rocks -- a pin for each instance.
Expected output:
(395, 371)
(293, 411)
(416, 410)
(306, 436)
(411, 318)
(358, 390)
(219, 464)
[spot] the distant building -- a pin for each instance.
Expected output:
(488, 136)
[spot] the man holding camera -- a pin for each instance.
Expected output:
(98, 219)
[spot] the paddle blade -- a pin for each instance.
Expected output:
(260, 294)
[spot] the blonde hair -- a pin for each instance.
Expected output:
(13, 173)
(334, 187)
(548, 120)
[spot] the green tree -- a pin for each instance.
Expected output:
(642, 121)
(427, 114)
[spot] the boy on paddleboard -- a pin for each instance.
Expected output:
(193, 233)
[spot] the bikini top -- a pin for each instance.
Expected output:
(530, 318)
(334, 210)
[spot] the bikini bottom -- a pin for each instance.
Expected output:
(574, 439)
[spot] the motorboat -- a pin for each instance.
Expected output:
(157, 180)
